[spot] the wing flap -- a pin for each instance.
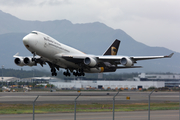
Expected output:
(74, 58)
(122, 67)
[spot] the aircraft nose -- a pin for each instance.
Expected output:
(30, 41)
(25, 40)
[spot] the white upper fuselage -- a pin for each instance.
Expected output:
(58, 55)
(49, 48)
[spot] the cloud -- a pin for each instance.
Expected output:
(149, 21)
(17, 3)
(114, 10)
(54, 2)
(153, 9)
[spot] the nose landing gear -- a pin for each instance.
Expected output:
(34, 54)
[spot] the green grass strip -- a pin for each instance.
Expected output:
(57, 108)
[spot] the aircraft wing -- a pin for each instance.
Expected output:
(109, 61)
(151, 57)
(74, 58)
(135, 58)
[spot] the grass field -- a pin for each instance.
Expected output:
(56, 108)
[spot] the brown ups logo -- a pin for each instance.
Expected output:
(113, 51)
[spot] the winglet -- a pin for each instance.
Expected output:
(169, 56)
(16, 54)
(113, 49)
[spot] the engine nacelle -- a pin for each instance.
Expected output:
(127, 62)
(90, 61)
(19, 61)
(28, 61)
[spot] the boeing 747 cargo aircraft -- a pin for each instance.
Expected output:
(46, 49)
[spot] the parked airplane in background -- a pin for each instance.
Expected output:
(6, 89)
(26, 89)
(58, 55)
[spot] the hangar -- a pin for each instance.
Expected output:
(85, 84)
(108, 84)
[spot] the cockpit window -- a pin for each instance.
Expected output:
(34, 32)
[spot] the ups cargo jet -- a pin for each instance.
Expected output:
(58, 55)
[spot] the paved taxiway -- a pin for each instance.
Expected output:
(137, 115)
(87, 97)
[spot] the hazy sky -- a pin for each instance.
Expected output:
(153, 22)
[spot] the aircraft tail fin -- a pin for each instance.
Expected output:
(113, 49)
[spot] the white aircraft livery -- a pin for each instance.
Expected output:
(45, 49)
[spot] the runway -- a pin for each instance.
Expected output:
(87, 97)
(101, 97)
(137, 115)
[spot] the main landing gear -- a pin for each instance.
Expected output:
(53, 68)
(67, 73)
(54, 73)
(79, 72)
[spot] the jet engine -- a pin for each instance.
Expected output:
(28, 61)
(19, 61)
(90, 61)
(127, 62)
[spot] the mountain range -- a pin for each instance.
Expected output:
(91, 38)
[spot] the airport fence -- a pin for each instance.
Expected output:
(113, 117)
(116, 100)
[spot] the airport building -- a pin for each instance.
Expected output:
(171, 80)
(32, 79)
(108, 84)
(87, 84)
(143, 81)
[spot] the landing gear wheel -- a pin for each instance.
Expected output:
(52, 74)
(67, 73)
(53, 70)
(33, 59)
(79, 73)
(34, 54)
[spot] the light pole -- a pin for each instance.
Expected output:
(2, 74)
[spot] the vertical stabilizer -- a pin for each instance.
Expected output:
(113, 49)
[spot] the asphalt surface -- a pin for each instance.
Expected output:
(87, 97)
(91, 97)
(137, 115)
